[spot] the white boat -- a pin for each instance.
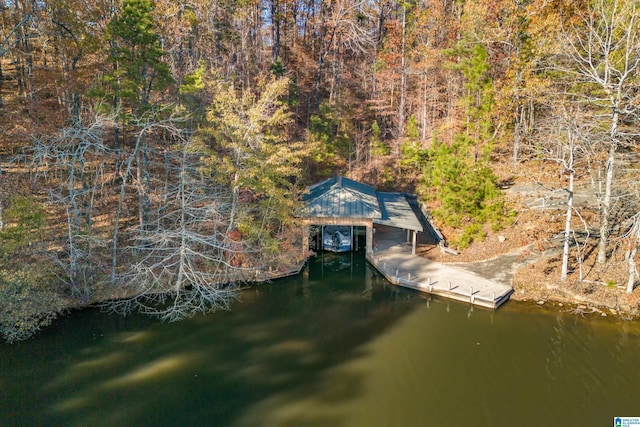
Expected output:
(337, 238)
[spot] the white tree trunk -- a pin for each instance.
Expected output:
(567, 226)
(634, 237)
(633, 270)
(403, 82)
(425, 82)
(605, 208)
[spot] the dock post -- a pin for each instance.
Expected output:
(397, 274)
(409, 276)
(493, 295)
(449, 285)
(471, 294)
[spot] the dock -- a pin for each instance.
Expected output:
(392, 257)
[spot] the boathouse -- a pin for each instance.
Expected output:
(340, 201)
(345, 202)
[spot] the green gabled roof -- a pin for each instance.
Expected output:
(341, 197)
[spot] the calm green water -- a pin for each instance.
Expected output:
(335, 347)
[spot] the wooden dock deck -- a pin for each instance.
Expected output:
(392, 257)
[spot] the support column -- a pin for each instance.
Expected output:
(369, 240)
(414, 242)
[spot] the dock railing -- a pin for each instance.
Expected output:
(449, 290)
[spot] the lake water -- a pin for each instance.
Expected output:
(336, 346)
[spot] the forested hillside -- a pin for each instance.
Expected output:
(153, 151)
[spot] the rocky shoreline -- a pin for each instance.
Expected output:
(523, 269)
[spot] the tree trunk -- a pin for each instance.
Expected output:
(634, 237)
(321, 55)
(633, 269)
(403, 81)
(183, 231)
(567, 226)
(517, 133)
(234, 204)
(605, 208)
(1, 81)
(425, 98)
(275, 30)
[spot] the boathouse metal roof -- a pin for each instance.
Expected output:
(341, 197)
(397, 212)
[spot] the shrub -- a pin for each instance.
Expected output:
(25, 218)
(28, 302)
(469, 234)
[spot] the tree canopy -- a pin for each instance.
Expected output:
(143, 132)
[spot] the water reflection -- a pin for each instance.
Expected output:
(554, 362)
(335, 346)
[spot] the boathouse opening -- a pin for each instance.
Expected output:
(325, 237)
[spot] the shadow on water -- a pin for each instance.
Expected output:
(93, 368)
(335, 346)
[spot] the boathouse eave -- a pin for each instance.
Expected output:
(323, 220)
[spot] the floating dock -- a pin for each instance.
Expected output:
(393, 258)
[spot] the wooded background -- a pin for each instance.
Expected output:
(152, 149)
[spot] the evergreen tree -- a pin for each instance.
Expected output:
(136, 55)
(471, 59)
(464, 191)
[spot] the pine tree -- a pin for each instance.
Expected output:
(465, 191)
(136, 55)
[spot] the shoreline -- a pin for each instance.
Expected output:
(512, 267)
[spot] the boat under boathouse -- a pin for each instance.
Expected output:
(344, 205)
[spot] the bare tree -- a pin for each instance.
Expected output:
(633, 238)
(568, 164)
(75, 152)
(602, 59)
(186, 262)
